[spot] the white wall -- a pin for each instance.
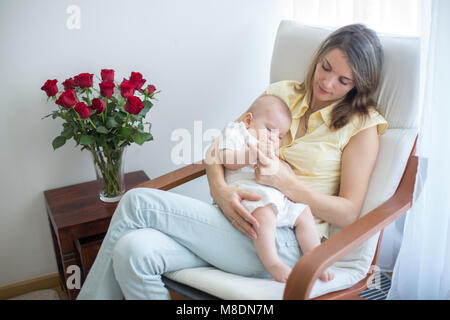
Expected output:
(209, 58)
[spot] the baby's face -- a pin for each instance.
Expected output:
(271, 126)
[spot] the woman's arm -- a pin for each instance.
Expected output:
(358, 161)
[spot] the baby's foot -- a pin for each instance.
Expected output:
(327, 275)
(279, 271)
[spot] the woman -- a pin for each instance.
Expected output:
(331, 151)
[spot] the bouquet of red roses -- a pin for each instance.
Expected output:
(111, 116)
(106, 118)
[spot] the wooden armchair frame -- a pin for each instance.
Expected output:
(312, 264)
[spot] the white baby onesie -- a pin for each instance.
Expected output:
(235, 137)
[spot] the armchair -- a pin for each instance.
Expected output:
(353, 251)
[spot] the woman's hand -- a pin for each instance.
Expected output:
(229, 200)
(270, 171)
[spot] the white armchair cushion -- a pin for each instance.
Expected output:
(229, 286)
(395, 148)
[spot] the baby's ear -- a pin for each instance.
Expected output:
(248, 119)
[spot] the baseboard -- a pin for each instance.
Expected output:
(50, 281)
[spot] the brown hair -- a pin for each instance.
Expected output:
(364, 52)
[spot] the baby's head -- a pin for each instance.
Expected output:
(268, 118)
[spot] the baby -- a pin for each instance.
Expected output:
(267, 120)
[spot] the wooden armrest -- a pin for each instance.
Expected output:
(176, 177)
(313, 263)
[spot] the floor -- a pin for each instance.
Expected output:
(46, 294)
(378, 290)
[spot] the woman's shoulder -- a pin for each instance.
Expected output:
(372, 118)
(285, 87)
(288, 90)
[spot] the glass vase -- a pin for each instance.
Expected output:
(109, 169)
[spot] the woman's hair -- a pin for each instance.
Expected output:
(364, 52)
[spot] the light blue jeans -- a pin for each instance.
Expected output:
(154, 231)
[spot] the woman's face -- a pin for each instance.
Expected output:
(333, 77)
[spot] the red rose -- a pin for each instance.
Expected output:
(69, 84)
(84, 80)
(67, 99)
(136, 80)
(107, 74)
(151, 88)
(134, 105)
(126, 89)
(107, 88)
(98, 105)
(82, 110)
(50, 87)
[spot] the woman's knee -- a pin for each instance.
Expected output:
(125, 250)
(131, 202)
(135, 195)
(135, 252)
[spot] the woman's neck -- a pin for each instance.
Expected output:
(317, 105)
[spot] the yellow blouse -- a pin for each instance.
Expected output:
(316, 157)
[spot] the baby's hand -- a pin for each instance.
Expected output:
(327, 275)
(270, 149)
(267, 148)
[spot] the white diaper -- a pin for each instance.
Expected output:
(287, 211)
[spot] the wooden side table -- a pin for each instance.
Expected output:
(78, 222)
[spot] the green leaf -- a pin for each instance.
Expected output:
(121, 117)
(58, 142)
(113, 100)
(100, 141)
(135, 117)
(125, 131)
(111, 123)
(149, 137)
(141, 137)
(55, 115)
(87, 140)
(102, 129)
(147, 106)
(46, 116)
(67, 133)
